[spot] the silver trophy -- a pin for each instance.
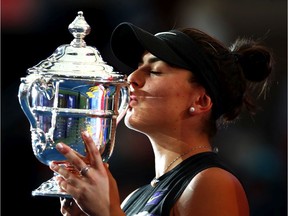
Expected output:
(71, 91)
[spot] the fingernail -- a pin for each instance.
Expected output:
(53, 165)
(59, 146)
(86, 134)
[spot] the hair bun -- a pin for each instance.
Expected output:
(256, 64)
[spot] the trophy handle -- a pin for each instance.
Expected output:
(124, 95)
(24, 93)
(23, 96)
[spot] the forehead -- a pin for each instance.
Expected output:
(149, 58)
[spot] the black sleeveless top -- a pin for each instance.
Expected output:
(158, 200)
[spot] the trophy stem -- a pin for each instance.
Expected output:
(50, 188)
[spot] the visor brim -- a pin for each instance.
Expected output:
(128, 43)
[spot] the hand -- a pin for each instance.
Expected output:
(93, 188)
(70, 208)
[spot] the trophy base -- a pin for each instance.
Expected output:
(51, 189)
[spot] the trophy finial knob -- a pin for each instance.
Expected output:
(79, 28)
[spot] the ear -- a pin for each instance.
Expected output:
(203, 103)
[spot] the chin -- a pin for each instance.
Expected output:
(128, 120)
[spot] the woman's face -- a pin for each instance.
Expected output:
(161, 96)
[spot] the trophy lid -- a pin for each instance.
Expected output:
(76, 59)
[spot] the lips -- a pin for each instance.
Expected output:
(133, 100)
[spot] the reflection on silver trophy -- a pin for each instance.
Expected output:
(71, 91)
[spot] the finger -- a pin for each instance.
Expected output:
(92, 150)
(65, 175)
(62, 183)
(69, 207)
(66, 202)
(106, 165)
(67, 185)
(65, 164)
(66, 206)
(71, 156)
(84, 170)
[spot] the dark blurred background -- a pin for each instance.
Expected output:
(257, 148)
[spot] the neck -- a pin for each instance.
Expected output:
(170, 153)
(177, 160)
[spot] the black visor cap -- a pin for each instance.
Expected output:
(128, 43)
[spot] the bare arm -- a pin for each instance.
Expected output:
(213, 192)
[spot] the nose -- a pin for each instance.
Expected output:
(136, 79)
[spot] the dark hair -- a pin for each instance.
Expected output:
(241, 69)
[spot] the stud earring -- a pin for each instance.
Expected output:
(192, 109)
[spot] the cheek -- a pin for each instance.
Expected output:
(180, 101)
(169, 95)
(173, 105)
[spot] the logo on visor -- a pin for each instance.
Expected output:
(160, 33)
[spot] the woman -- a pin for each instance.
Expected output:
(184, 85)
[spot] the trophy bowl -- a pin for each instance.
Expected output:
(73, 90)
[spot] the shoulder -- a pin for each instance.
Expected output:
(213, 191)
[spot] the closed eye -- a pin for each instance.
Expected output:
(155, 73)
